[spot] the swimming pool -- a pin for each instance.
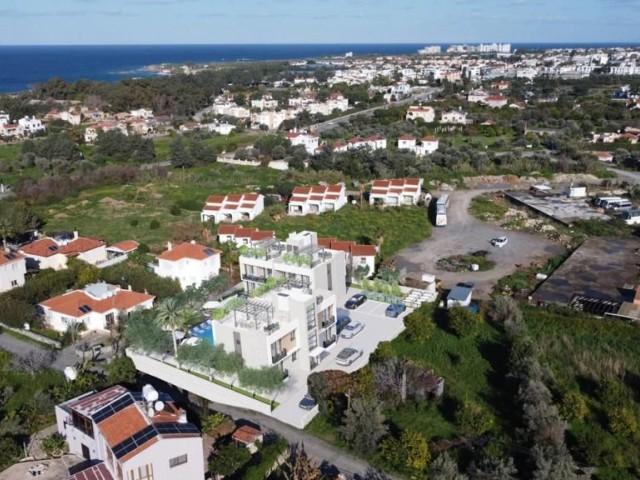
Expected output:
(204, 331)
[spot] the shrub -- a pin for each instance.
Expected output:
(229, 459)
(473, 419)
(419, 325)
(154, 225)
(211, 422)
(175, 210)
(622, 421)
(462, 321)
(265, 379)
(134, 222)
(53, 445)
(573, 406)
(410, 451)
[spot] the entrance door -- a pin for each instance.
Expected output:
(85, 452)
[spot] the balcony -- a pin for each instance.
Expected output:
(278, 356)
(272, 327)
(254, 278)
(329, 341)
(328, 322)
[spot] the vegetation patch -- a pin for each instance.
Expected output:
(463, 263)
(488, 209)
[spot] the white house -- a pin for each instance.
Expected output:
(143, 113)
(496, 101)
(243, 236)
(455, 117)
(427, 114)
(427, 146)
(130, 436)
(477, 96)
(604, 156)
(232, 207)
(396, 192)
(71, 116)
(406, 142)
(356, 255)
(376, 142)
(53, 253)
(13, 267)
(400, 89)
(4, 118)
(308, 140)
(317, 199)
(190, 263)
(31, 125)
(91, 133)
(265, 103)
(10, 130)
(221, 128)
(271, 118)
(97, 306)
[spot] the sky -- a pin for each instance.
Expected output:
(83, 22)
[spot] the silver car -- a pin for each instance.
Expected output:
(351, 329)
(348, 355)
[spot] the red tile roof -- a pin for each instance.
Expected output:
(46, 247)
(406, 137)
(70, 303)
(10, 257)
(122, 425)
(262, 235)
(95, 472)
(125, 246)
(325, 242)
(228, 229)
(92, 403)
(364, 250)
(188, 250)
(246, 435)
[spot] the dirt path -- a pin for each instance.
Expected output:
(465, 234)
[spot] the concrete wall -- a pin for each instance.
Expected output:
(160, 453)
(194, 384)
(94, 256)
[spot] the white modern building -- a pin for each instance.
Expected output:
(190, 263)
(355, 255)
(233, 207)
(396, 192)
(454, 117)
(54, 253)
(243, 236)
(308, 140)
(31, 126)
(427, 114)
(221, 128)
(97, 306)
(266, 102)
(317, 199)
(128, 435)
(143, 113)
(13, 268)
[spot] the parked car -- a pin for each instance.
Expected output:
(499, 242)
(307, 402)
(355, 301)
(351, 329)
(348, 355)
(395, 309)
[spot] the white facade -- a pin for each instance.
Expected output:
(396, 192)
(71, 116)
(31, 125)
(477, 96)
(265, 103)
(308, 140)
(221, 128)
(13, 268)
(97, 426)
(143, 113)
(91, 133)
(189, 263)
(455, 117)
(271, 118)
(98, 306)
(241, 236)
(317, 199)
(427, 114)
(233, 207)
(53, 253)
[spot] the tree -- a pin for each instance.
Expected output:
(361, 272)
(298, 466)
(494, 469)
(463, 321)
(320, 390)
(419, 325)
(15, 312)
(503, 309)
(15, 219)
(410, 451)
(121, 370)
(178, 154)
(229, 459)
(553, 464)
(444, 467)
(363, 425)
(169, 316)
(573, 406)
(473, 419)
(10, 452)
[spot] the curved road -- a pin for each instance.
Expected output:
(465, 234)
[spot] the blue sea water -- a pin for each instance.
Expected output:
(23, 66)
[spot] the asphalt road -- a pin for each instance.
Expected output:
(631, 177)
(464, 234)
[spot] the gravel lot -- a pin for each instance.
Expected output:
(465, 234)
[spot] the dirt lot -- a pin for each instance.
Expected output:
(466, 234)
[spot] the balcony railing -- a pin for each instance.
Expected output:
(272, 327)
(329, 341)
(254, 278)
(328, 322)
(278, 356)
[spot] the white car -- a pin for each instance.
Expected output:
(348, 355)
(499, 242)
(351, 330)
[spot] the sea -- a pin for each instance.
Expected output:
(21, 67)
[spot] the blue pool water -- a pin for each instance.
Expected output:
(204, 331)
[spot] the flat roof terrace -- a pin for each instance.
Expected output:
(602, 268)
(562, 209)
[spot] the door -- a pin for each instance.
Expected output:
(85, 452)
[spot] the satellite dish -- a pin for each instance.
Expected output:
(70, 373)
(159, 406)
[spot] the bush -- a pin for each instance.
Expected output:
(573, 407)
(462, 321)
(54, 445)
(229, 459)
(134, 222)
(15, 313)
(473, 419)
(265, 379)
(154, 225)
(419, 324)
(410, 451)
(175, 210)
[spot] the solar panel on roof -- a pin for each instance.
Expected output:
(149, 432)
(209, 251)
(85, 308)
(174, 428)
(112, 408)
(10, 256)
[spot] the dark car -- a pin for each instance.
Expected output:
(395, 309)
(307, 403)
(355, 301)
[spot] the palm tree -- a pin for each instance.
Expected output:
(168, 315)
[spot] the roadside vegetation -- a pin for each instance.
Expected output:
(488, 209)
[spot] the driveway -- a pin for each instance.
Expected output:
(464, 234)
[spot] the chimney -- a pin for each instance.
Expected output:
(75, 233)
(169, 246)
(193, 242)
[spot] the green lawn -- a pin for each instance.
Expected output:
(461, 140)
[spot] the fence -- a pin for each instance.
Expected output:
(34, 336)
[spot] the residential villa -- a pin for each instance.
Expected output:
(127, 435)
(356, 255)
(72, 116)
(427, 114)
(317, 199)
(396, 192)
(97, 306)
(232, 207)
(308, 140)
(266, 102)
(91, 132)
(426, 146)
(454, 117)
(374, 142)
(477, 96)
(300, 261)
(143, 113)
(54, 253)
(496, 101)
(243, 236)
(30, 126)
(125, 247)
(190, 263)
(13, 268)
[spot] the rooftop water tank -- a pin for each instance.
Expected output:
(149, 393)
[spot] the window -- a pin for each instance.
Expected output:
(14, 283)
(294, 357)
(292, 336)
(174, 462)
(142, 473)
